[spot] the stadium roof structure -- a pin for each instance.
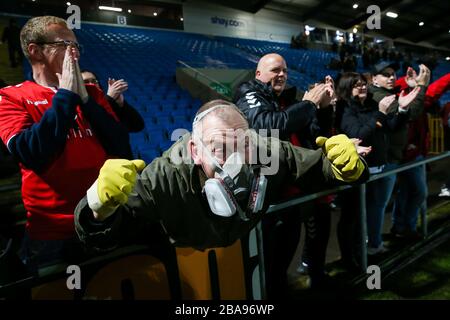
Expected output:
(417, 20)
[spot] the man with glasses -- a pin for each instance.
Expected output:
(412, 183)
(61, 132)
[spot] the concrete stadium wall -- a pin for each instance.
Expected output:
(205, 18)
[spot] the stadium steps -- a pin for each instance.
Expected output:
(12, 211)
(351, 285)
(9, 75)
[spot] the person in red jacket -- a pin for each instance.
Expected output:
(418, 133)
(445, 189)
(61, 132)
(413, 191)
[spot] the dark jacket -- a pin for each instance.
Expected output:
(169, 194)
(259, 103)
(37, 146)
(367, 123)
(398, 139)
(320, 124)
(127, 115)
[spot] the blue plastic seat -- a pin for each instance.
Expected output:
(155, 136)
(149, 154)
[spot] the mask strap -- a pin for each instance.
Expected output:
(225, 178)
(241, 213)
(203, 114)
(218, 168)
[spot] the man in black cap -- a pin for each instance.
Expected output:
(412, 182)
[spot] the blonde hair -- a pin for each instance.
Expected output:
(35, 30)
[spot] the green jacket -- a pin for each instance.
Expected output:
(398, 139)
(168, 196)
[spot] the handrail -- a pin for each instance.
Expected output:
(10, 187)
(45, 275)
(48, 273)
(202, 74)
(302, 199)
(362, 202)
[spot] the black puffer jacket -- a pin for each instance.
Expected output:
(260, 104)
(366, 122)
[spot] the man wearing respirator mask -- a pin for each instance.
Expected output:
(209, 189)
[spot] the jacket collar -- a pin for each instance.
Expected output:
(374, 88)
(366, 106)
(289, 94)
(266, 88)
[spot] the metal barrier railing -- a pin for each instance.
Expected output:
(10, 187)
(362, 198)
(45, 275)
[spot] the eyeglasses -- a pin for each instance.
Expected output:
(359, 84)
(90, 81)
(65, 43)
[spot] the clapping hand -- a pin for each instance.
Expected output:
(81, 86)
(411, 77)
(329, 81)
(384, 103)
(321, 95)
(116, 88)
(67, 79)
(405, 100)
(423, 78)
(70, 76)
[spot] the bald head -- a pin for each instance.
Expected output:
(272, 69)
(268, 59)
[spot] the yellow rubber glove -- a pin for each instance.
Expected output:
(113, 186)
(345, 161)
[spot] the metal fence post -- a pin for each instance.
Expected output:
(363, 224)
(262, 269)
(51, 275)
(423, 213)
